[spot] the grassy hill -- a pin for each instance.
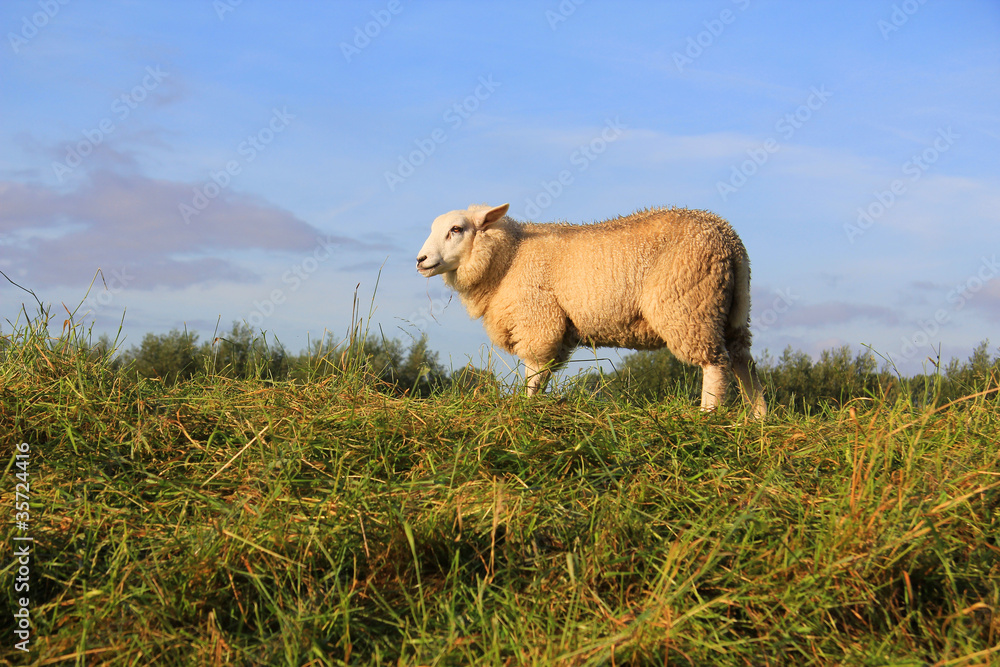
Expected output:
(226, 521)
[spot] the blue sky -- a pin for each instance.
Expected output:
(256, 161)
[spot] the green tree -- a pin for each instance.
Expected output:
(243, 354)
(794, 380)
(392, 366)
(978, 372)
(320, 359)
(420, 371)
(170, 357)
(656, 375)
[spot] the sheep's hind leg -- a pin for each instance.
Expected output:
(753, 390)
(713, 387)
(738, 346)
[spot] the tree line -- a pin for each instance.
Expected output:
(793, 379)
(242, 353)
(837, 377)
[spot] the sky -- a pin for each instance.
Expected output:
(196, 163)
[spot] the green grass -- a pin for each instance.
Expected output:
(220, 521)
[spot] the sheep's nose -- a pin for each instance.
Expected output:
(421, 259)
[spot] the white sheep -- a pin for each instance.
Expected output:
(658, 278)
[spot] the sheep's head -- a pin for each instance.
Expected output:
(452, 236)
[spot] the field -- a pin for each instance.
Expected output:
(219, 521)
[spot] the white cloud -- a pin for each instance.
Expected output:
(134, 223)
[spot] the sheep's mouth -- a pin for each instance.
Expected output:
(427, 270)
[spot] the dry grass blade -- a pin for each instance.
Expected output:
(235, 456)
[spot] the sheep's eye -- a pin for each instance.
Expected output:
(456, 230)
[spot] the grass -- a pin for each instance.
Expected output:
(222, 521)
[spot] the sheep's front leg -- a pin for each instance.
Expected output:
(536, 374)
(542, 347)
(713, 387)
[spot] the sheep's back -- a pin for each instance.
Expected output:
(595, 273)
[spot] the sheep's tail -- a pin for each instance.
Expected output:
(738, 339)
(739, 311)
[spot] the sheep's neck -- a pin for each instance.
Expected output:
(476, 281)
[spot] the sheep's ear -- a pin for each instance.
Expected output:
(494, 214)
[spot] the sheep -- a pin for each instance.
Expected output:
(673, 278)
